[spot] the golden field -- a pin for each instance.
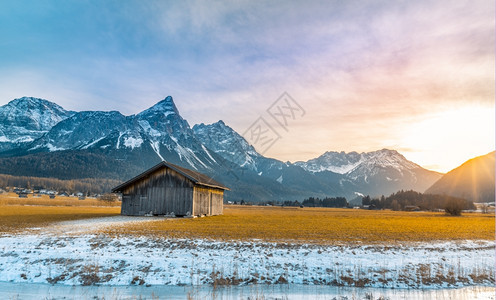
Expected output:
(320, 226)
(44, 200)
(21, 213)
(274, 224)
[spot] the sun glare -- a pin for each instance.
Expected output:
(460, 133)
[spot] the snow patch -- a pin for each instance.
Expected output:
(24, 139)
(156, 147)
(148, 129)
(343, 169)
(69, 259)
(92, 143)
(132, 142)
(52, 148)
(168, 113)
(208, 153)
(196, 157)
(119, 140)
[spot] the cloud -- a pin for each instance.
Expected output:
(364, 71)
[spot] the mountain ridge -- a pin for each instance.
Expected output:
(160, 133)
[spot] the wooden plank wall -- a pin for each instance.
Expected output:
(217, 202)
(163, 192)
(207, 201)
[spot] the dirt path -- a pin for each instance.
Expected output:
(88, 226)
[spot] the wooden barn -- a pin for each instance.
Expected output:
(167, 189)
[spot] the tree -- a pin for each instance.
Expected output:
(395, 205)
(454, 206)
(366, 200)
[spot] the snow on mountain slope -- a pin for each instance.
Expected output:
(337, 162)
(228, 143)
(375, 173)
(158, 131)
(25, 119)
(163, 119)
(373, 163)
(164, 127)
(81, 131)
(30, 126)
(357, 164)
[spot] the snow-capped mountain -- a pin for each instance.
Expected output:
(169, 134)
(159, 131)
(337, 162)
(25, 119)
(227, 143)
(375, 173)
(43, 139)
(357, 165)
(380, 163)
(81, 131)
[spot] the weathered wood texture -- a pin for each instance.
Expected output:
(166, 192)
(207, 201)
(161, 193)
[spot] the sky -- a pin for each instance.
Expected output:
(414, 76)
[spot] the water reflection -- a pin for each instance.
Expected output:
(45, 291)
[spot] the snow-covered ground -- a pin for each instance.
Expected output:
(88, 226)
(71, 253)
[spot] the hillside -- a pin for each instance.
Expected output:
(473, 180)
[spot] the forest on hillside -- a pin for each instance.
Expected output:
(403, 200)
(86, 185)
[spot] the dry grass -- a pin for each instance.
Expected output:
(275, 224)
(320, 225)
(44, 200)
(19, 213)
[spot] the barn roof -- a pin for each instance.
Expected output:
(196, 177)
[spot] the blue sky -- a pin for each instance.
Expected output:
(369, 74)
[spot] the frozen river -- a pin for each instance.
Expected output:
(284, 291)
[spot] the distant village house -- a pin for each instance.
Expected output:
(168, 189)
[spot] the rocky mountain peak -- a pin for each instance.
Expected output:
(215, 128)
(343, 163)
(227, 142)
(26, 119)
(388, 158)
(32, 102)
(166, 106)
(42, 111)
